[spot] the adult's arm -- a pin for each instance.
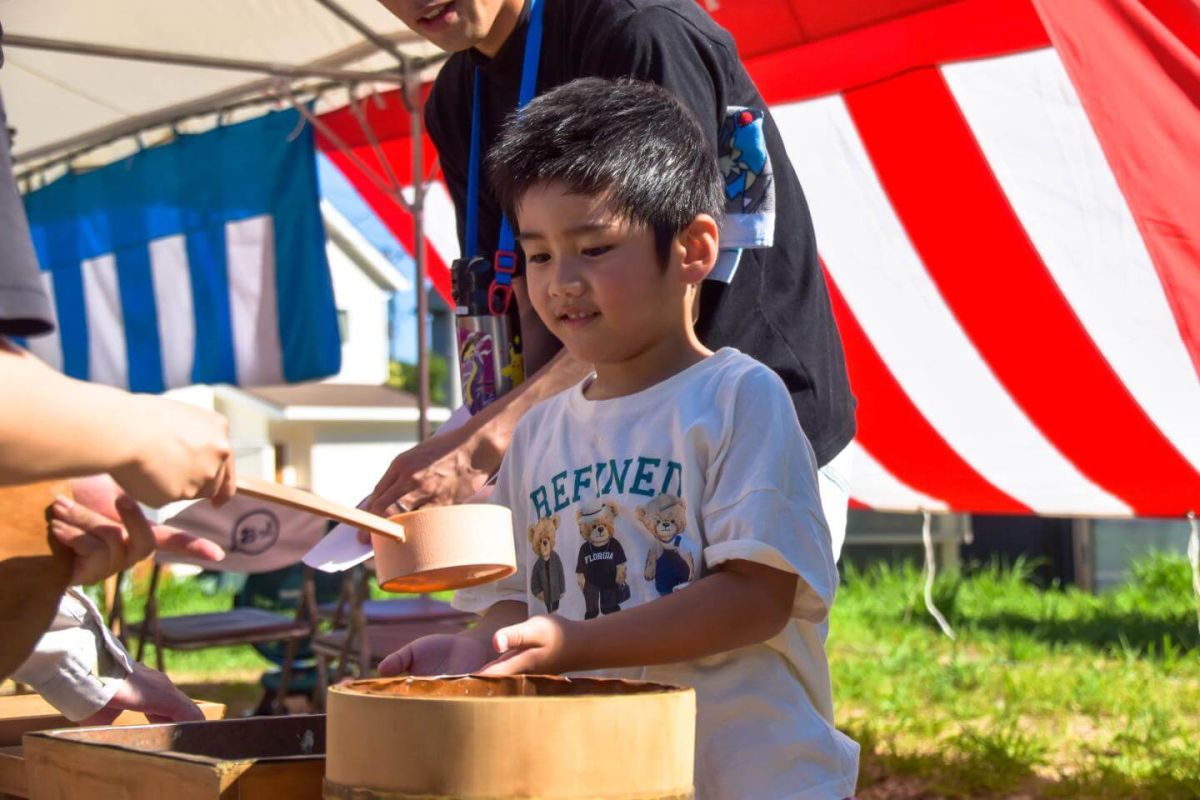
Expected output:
(452, 466)
(158, 450)
(85, 673)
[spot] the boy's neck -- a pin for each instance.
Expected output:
(664, 358)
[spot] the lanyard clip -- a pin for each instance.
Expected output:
(500, 292)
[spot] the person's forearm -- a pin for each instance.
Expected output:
(720, 612)
(492, 427)
(52, 426)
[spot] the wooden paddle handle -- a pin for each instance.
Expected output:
(306, 501)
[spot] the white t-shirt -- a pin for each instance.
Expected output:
(640, 495)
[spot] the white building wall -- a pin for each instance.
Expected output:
(349, 458)
(364, 305)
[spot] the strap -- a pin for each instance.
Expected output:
(504, 262)
(472, 232)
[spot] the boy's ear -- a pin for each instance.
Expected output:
(698, 242)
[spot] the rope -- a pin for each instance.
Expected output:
(1194, 557)
(930, 572)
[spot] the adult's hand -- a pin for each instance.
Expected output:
(109, 533)
(179, 452)
(152, 693)
(454, 465)
(443, 470)
(439, 654)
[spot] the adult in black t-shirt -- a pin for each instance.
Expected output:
(776, 308)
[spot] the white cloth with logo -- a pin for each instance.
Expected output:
(722, 437)
(257, 535)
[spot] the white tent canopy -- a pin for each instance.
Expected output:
(59, 99)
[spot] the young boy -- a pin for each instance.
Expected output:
(676, 481)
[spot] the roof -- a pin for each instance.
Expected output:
(344, 402)
(55, 97)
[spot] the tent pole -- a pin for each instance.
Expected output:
(187, 60)
(171, 114)
(412, 90)
(370, 35)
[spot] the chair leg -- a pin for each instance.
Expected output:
(285, 677)
(322, 682)
(159, 662)
(150, 619)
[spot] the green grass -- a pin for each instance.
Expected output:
(1052, 693)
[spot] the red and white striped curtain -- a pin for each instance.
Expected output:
(1006, 196)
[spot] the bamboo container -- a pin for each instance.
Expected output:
(534, 736)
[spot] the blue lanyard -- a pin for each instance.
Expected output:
(505, 259)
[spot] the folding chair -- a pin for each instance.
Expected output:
(364, 631)
(258, 537)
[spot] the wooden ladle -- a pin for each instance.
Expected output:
(428, 550)
(306, 501)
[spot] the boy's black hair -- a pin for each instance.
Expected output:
(627, 140)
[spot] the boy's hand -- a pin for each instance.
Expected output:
(538, 645)
(182, 452)
(439, 654)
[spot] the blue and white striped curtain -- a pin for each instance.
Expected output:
(201, 261)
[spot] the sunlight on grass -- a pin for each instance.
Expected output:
(1047, 693)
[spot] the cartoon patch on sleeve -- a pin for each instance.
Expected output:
(547, 581)
(601, 565)
(669, 562)
(749, 180)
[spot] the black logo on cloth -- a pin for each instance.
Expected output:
(255, 532)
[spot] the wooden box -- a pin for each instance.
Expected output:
(26, 713)
(260, 758)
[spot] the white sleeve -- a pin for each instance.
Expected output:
(77, 665)
(762, 501)
(478, 599)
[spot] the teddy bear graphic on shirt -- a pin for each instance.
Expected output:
(669, 561)
(547, 581)
(601, 567)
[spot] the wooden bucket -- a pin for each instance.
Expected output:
(532, 736)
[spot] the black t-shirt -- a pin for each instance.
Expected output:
(777, 308)
(24, 307)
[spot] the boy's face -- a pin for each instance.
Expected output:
(595, 278)
(452, 25)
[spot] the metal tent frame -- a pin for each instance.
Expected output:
(280, 83)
